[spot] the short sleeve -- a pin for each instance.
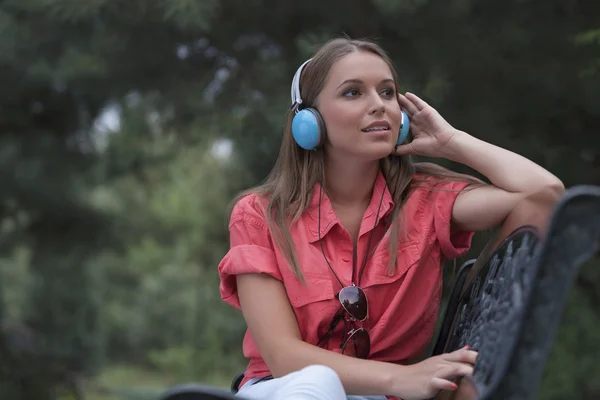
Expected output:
(250, 249)
(453, 244)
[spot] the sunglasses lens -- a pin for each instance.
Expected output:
(358, 344)
(354, 301)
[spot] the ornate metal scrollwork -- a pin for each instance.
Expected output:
(489, 312)
(510, 308)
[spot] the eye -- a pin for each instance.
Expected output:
(351, 93)
(388, 91)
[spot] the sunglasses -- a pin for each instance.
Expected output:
(357, 342)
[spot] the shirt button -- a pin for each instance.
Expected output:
(345, 259)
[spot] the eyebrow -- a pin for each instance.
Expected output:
(387, 80)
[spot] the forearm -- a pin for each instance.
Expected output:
(359, 377)
(504, 169)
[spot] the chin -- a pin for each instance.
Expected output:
(364, 151)
(377, 151)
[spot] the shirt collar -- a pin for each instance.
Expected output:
(329, 219)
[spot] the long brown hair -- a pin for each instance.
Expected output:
(288, 187)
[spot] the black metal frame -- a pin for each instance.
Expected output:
(506, 304)
(510, 306)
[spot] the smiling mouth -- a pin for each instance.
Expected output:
(376, 129)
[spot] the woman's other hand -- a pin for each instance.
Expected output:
(430, 132)
(427, 378)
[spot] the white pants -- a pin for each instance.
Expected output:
(315, 382)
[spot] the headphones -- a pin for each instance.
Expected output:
(308, 127)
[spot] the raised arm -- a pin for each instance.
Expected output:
(512, 176)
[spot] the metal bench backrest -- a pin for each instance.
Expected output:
(507, 304)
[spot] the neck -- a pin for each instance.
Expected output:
(350, 183)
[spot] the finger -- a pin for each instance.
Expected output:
(456, 370)
(443, 384)
(408, 105)
(457, 353)
(471, 357)
(463, 355)
(403, 150)
(417, 101)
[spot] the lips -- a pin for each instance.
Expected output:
(378, 126)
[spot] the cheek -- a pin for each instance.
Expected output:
(339, 118)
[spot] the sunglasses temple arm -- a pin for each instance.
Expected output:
(332, 326)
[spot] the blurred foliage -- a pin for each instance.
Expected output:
(127, 126)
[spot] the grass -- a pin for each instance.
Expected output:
(122, 382)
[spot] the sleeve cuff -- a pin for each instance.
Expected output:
(245, 259)
(452, 244)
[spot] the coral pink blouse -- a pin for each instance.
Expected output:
(402, 307)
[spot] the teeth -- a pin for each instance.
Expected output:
(376, 128)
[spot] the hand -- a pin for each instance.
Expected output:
(425, 379)
(431, 133)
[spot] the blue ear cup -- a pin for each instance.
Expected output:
(308, 128)
(404, 129)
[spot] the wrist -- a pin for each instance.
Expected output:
(456, 147)
(394, 380)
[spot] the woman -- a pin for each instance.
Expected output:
(335, 260)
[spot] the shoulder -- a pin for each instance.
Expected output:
(249, 208)
(432, 195)
(426, 185)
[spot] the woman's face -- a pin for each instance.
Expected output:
(359, 105)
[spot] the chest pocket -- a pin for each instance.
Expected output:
(408, 256)
(318, 287)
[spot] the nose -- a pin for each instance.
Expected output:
(377, 105)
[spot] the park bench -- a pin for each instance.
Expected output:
(506, 303)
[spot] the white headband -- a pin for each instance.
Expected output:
(296, 99)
